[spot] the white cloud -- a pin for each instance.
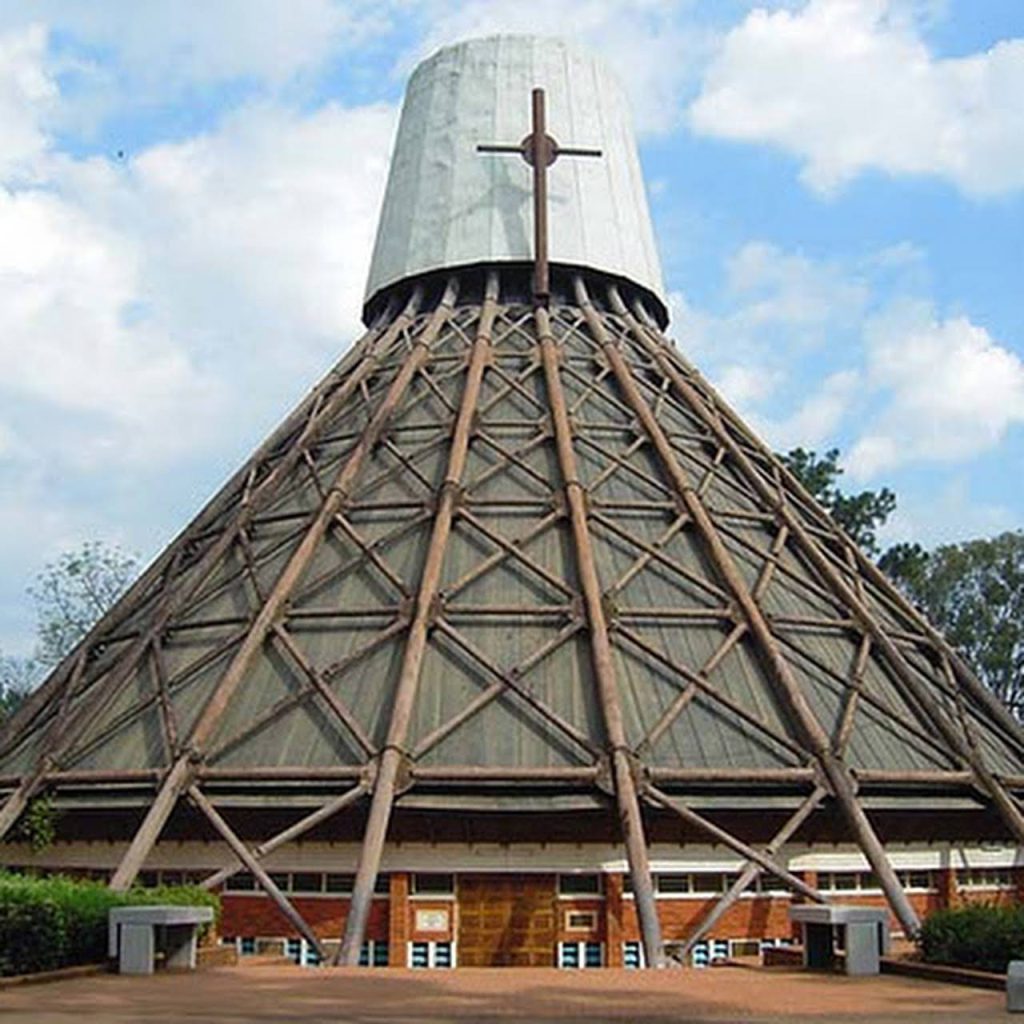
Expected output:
(744, 385)
(951, 390)
(196, 278)
(848, 86)
(264, 228)
(788, 288)
(947, 515)
(27, 94)
(818, 417)
(163, 45)
(64, 284)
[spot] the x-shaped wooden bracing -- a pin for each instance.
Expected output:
(660, 380)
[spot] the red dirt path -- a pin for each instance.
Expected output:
(245, 994)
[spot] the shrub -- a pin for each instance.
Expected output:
(177, 895)
(984, 936)
(53, 922)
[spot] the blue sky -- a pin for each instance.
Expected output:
(188, 194)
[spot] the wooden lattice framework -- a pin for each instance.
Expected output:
(475, 432)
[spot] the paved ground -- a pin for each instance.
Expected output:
(735, 994)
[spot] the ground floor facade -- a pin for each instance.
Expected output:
(440, 906)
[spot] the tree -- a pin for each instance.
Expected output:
(973, 592)
(860, 515)
(18, 676)
(70, 594)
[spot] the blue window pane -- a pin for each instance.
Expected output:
(568, 954)
(592, 954)
(248, 945)
(443, 954)
(420, 955)
(293, 949)
(380, 954)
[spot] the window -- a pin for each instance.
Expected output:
(580, 921)
(848, 881)
(580, 885)
(307, 883)
(247, 945)
(573, 955)
(710, 882)
(374, 953)
(916, 879)
(673, 884)
(438, 955)
(697, 883)
(633, 955)
(705, 952)
(151, 879)
(985, 878)
(744, 947)
(433, 885)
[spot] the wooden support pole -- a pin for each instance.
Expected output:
(932, 715)
(242, 852)
(392, 757)
(601, 653)
(176, 781)
(18, 800)
(292, 832)
(785, 684)
(338, 493)
(751, 871)
(763, 860)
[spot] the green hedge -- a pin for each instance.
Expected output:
(984, 936)
(57, 921)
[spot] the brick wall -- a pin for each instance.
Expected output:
(615, 919)
(256, 915)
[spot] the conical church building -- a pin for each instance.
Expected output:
(513, 644)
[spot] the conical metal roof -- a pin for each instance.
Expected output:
(270, 637)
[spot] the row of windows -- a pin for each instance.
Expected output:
(703, 883)
(373, 953)
(986, 878)
(306, 883)
(441, 955)
(867, 881)
(665, 883)
(915, 878)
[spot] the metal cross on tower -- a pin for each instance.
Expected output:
(540, 151)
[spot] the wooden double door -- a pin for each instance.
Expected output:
(506, 920)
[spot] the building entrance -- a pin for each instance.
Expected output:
(506, 920)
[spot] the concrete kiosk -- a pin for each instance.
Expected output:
(864, 932)
(136, 934)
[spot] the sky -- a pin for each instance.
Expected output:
(189, 193)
